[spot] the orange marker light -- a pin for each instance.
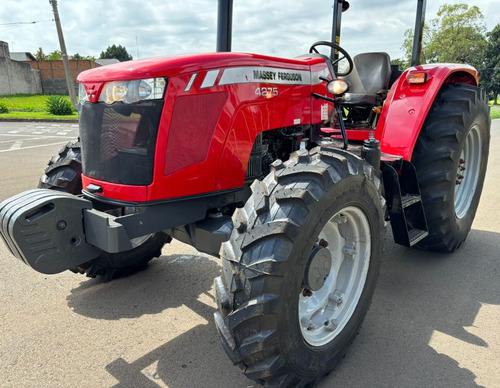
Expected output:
(417, 78)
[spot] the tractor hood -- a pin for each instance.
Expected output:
(174, 65)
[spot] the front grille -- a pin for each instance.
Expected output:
(118, 141)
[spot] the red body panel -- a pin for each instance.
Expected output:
(406, 106)
(216, 104)
(220, 162)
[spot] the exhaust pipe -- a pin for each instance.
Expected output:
(224, 25)
(419, 31)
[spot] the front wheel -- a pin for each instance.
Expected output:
(300, 268)
(64, 174)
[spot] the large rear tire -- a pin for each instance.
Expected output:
(300, 268)
(450, 157)
(64, 174)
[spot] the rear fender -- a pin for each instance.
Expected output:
(406, 106)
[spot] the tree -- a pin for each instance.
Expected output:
(456, 35)
(490, 72)
(118, 52)
(397, 62)
(54, 56)
(408, 46)
(40, 56)
(78, 57)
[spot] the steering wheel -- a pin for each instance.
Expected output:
(334, 62)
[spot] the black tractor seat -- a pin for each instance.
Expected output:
(369, 79)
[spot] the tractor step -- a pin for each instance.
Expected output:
(409, 199)
(416, 235)
(404, 203)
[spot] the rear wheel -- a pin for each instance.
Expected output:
(300, 268)
(64, 174)
(450, 157)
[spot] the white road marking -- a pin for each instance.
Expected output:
(17, 144)
(31, 135)
(37, 146)
(30, 139)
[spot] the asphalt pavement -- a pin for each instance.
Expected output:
(434, 320)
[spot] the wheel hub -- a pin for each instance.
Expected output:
(318, 268)
(335, 276)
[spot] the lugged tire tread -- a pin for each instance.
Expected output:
(257, 353)
(436, 150)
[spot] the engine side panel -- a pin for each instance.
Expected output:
(256, 99)
(406, 106)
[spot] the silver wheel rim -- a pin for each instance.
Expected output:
(324, 313)
(468, 172)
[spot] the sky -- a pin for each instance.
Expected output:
(284, 28)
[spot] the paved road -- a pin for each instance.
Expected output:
(31, 135)
(434, 321)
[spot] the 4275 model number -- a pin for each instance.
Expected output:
(267, 92)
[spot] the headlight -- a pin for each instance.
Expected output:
(82, 94)
(133, 91)
(337, 87)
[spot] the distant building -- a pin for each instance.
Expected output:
(4, 49)
(104, 62)
(17, 76)
(53, 77)
(20, 72)
(22, 56)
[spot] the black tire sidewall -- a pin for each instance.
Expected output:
(351, 191)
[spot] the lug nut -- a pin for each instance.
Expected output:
(340, 219)
(308, 324)
(307, 293)
(331, 325)
(336, 297)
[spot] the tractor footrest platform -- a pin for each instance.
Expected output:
(356, 148)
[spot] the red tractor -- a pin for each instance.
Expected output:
(290, 165)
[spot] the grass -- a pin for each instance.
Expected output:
(494, 111)
(28, 106)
